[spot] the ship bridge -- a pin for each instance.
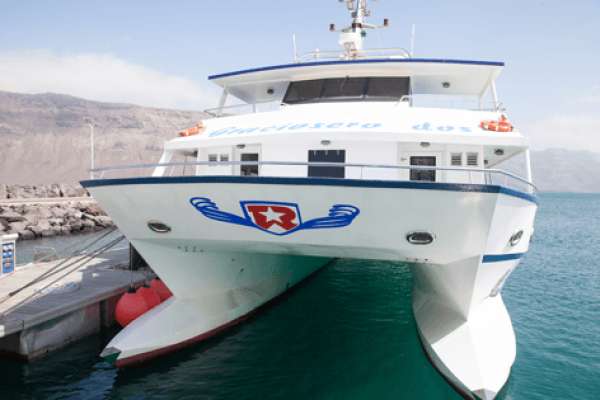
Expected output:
(412, 80)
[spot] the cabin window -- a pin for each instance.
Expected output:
(422, 174)
(472, 159)
(387, 89)
(456, 159)
(249, 169)
(224, 157)
(344, 88)
(347, 89)
(326, 156)
(212, 158)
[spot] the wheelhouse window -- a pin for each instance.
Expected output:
(326, 156)
(347, 89)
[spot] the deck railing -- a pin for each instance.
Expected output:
(460, 175)
(390, 52)
(410, 100)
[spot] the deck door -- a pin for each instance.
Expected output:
(422, 159)
(247, 153)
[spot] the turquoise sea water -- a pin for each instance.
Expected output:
(348, 333)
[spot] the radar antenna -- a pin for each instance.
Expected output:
(352, 37)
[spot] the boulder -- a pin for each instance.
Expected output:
(104, 221)
(93, 209)
(56, 221)
(53, 190)
(11, 216)
(32, 218)
(75, 226)
(26, 235)
(17, 227)
(87, 224)
(3, 191)
(76, 214)
(42, 226)
(72, 191)
(58, 212)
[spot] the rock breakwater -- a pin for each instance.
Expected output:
(53, 190)
(31, 220)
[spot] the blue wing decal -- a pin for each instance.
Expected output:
(210, 210)
(339, 215)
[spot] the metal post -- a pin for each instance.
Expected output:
(91, 150)
(412, 41)
(222, 101)
(295, 48)
(528, 173)
(494, 95)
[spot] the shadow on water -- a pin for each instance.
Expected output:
(348, 332)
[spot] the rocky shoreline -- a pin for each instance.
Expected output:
(63, 217)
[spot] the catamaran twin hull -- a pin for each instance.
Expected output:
(225, 245)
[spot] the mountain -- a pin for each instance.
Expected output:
(559, 170)
(45, 139)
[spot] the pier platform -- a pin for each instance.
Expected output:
(64, 307)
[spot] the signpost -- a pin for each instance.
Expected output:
(9, 258)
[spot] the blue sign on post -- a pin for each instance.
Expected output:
(8, 254)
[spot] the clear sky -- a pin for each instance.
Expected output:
(159, 53)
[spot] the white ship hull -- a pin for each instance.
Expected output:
(222, 259)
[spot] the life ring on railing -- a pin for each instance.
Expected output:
(194, 130)
(502, 125)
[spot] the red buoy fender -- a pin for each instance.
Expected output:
(161, 289)
(150, 295)
(129, 307)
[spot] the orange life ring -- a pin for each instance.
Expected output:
(502, 125)
(194, 130)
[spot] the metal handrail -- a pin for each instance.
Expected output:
(336, 54)
(316, 164)
(219, 111)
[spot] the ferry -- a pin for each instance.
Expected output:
(358, 153)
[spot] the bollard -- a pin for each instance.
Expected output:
(9, 256)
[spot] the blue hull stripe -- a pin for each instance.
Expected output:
(372, 61)
(489, 258)
(453, 187)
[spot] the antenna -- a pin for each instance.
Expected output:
(352, 37)
(295, 47)
(412, 40)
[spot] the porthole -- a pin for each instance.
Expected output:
(515, 238)
(159, 227)
(419, 238)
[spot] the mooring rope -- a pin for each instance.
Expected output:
(51, 271)
(73, 266)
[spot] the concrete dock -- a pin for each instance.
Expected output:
(61, 309)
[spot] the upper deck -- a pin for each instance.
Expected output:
(425, 76)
